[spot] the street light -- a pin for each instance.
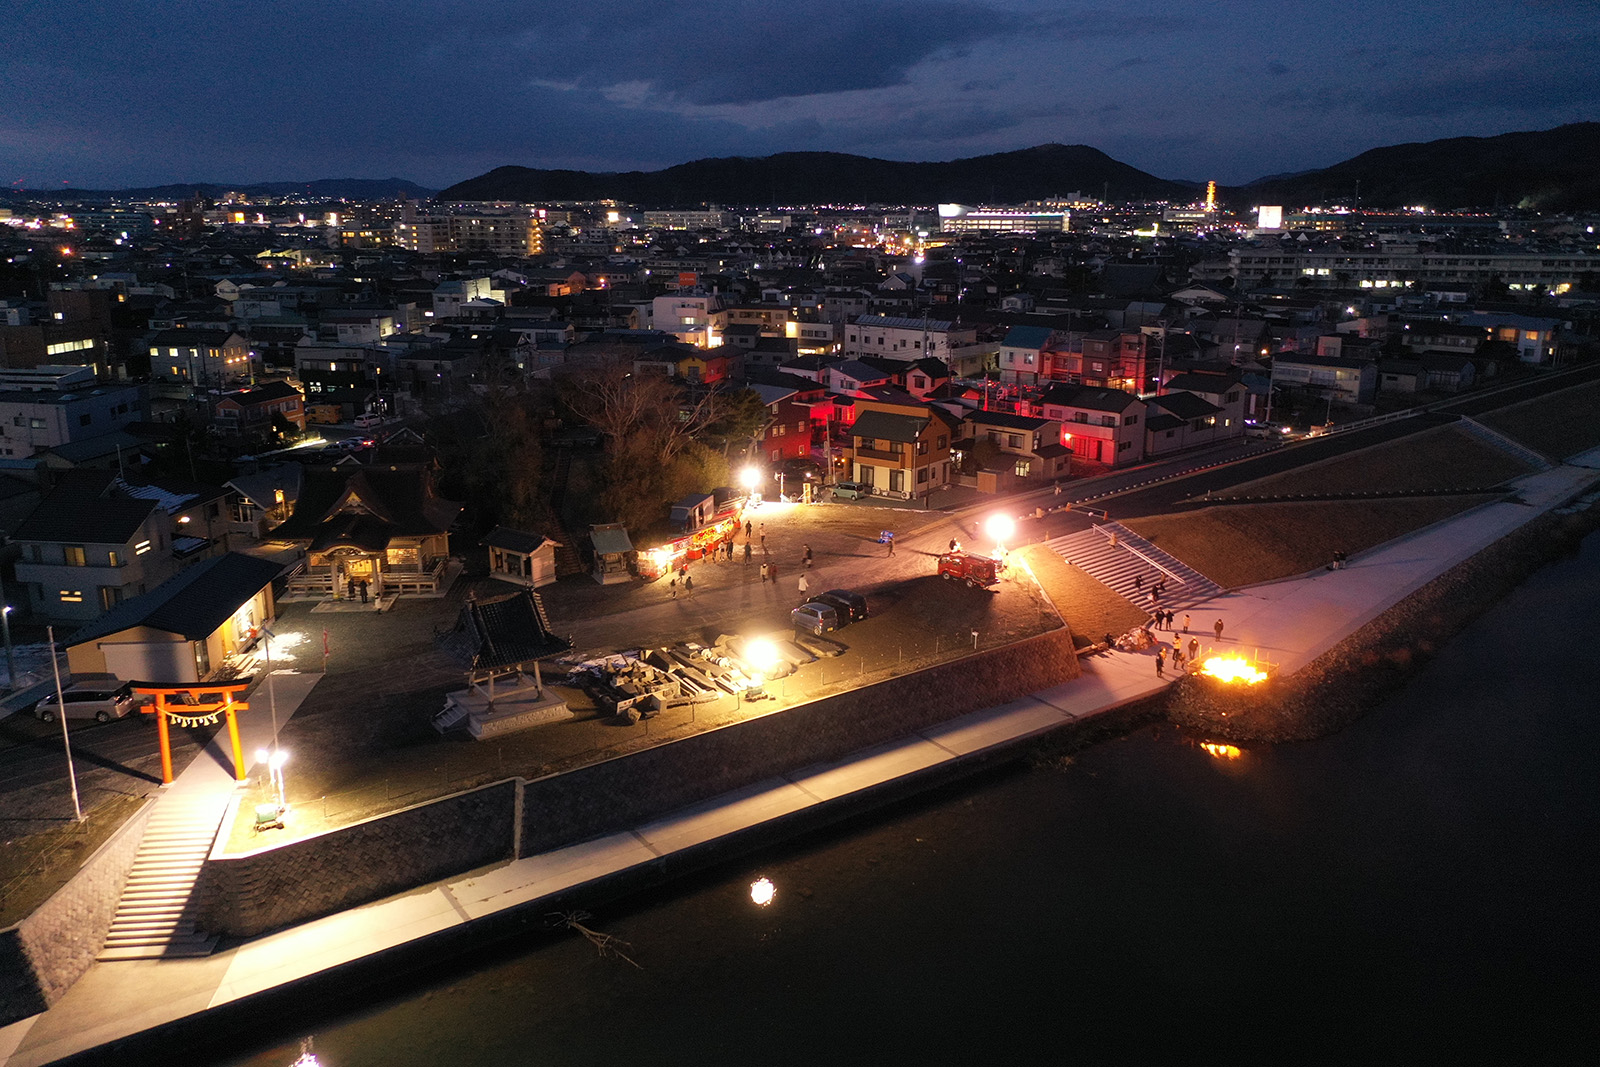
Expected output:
(5, 624)
(275, 762)
(750, 477)
(1001, 528)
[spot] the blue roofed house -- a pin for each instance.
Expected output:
(1022, 353)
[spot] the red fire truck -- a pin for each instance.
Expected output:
(976, 571)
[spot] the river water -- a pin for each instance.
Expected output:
(1418, 887)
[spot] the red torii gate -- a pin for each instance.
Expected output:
(196, 712)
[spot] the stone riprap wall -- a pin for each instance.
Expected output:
(242, 895)
(628, 790)
(41, 956)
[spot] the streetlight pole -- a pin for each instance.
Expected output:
(5, 625)
(61, 703)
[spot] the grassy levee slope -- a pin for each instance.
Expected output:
(1088, 607)
(1445, 457)
(1559, 425)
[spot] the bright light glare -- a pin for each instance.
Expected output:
(1232, 669)
(762, 891)
(750, 477)
(762, 655)
(1000, 528)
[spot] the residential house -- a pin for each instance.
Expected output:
(208, 358)
(185, 629)
(1030, 450)
(852, 377)
(86, 548)
(1225, 391)
(257, 502)
(1022, 351)
(251, 411)
(1534, 337)
(1177, 421)
(1344, 381)
(901, 447)
(908, 338)
(35, 421)
(1101, 425)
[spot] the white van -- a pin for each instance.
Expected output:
(366, 422)
(101, 701)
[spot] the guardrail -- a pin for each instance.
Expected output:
(1112, 535)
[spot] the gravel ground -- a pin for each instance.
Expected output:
(362, 742)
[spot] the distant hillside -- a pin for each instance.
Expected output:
(325, 188)
(1553, 170)
(836, 178)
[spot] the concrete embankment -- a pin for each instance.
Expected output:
(1355, 675)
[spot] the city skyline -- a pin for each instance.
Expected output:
(95, 95)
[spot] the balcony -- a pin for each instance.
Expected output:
(897, 458)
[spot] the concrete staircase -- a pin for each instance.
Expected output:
(155, 917)
(1490, 436)
(1118, 564)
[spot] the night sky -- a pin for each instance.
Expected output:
(112, 93)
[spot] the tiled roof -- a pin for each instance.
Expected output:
(78, 510)
(887, 426)
(192, 603)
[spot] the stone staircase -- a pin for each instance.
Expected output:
(1490, 436)
(1131, 557)
(155, 917)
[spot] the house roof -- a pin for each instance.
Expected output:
(508, 540)
(402, 497)
(610, 538)
(1027, 337)
(80, 510)
(1202, 383)
(1163, 421)
(192, 603)
(1083, 396)
(500, 633)
(1184, 405)
(887, 426)
(261, 488)
(861, 372)
(264, 394)
(1007, 420)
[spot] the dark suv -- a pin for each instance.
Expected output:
(852, 607)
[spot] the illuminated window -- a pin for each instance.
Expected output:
(76, 557)
(72, 596)
(141, 548)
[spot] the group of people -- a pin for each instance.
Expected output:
(1182, 656)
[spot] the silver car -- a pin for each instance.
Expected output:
(101, 701)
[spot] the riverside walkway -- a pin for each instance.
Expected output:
(1290, 622)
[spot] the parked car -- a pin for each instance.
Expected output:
(815, 618)
(851, 490)
(1270, 430)
(851, 606)
(366, 422)
(976, 571)
(801, 470)
(98, 700)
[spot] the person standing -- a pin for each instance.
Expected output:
(763, 572)
(747, 530)
(807, 556)
(1161, 663)
(1138, 581)
(890, 540)
(747, 553)
(1177, 656)
(1217, 627)
(1186, 624)
(1194, 649)
(672, 587)
(805, 587)
(362, 585)
(688, 586)
(772, 572)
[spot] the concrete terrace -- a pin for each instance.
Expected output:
(1290, 622)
